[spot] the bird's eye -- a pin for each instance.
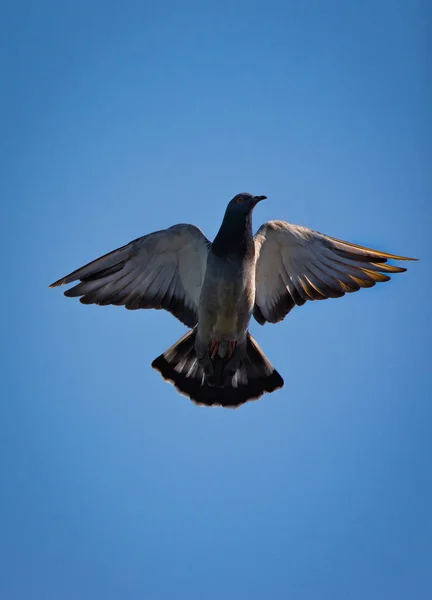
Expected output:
(239, 200)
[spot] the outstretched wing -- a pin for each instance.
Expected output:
(296, 264)
(164, 269)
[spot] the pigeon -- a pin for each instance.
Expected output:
(215, 289)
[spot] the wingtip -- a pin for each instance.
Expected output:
(403, 258)
(396, 257)
(57, 283)
(374, 253)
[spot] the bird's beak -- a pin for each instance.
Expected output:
(257, 199)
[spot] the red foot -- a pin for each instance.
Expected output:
(231, 347)
(214, 347)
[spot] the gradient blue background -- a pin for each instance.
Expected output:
(120, 118)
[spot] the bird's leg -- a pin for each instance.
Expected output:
(212, 375)
(237, 352)
(202, 350)
(231, 347)
(231, 364)
(214, 347)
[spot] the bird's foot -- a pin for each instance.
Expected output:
(231, 347)
(214, 347)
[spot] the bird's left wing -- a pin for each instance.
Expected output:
(164, 269)
(296, 264)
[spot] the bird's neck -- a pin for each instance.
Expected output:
(234, 236)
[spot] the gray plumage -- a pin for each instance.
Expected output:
(215, 288)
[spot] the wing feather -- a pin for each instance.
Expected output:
(164, 269)
(296, 264)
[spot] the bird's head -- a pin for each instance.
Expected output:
(235, 233)
(243, 204)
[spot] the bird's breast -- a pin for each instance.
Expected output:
(227, 299)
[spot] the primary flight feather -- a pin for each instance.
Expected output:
(215, 288)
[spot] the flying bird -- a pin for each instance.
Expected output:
(214, 288)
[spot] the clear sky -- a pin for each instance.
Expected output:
(120, 118)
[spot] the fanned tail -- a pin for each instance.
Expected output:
(255, 375)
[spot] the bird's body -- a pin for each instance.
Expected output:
(227, 299)
(215, 288)
(228, 293)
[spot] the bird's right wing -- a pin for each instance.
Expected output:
(296, 264)
(164, 269)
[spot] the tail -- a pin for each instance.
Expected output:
(255, 375)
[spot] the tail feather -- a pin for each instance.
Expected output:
(255, 375)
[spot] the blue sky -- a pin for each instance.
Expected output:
(124, 118)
